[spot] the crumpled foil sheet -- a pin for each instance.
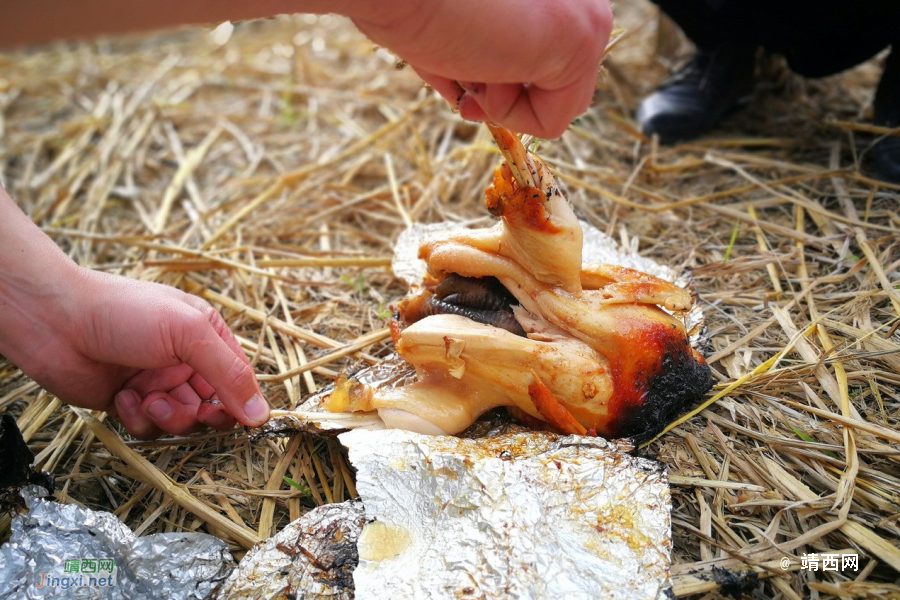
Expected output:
(312, 558)
(394, 371)
(176, 566)
(527, 515)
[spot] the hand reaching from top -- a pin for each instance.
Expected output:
(529, 66)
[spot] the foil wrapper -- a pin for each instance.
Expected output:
(312, 558)
(311, 416)
(44, 541)
(524, 515)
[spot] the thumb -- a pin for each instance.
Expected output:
(206, 344)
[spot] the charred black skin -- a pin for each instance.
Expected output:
(733, 583)
(679, 383)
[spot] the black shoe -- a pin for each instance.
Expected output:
(886, 151)
(699, 94)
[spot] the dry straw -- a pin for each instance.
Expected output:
(270, 176)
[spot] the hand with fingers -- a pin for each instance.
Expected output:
(158, 359)
(528, 66)
(165, 358)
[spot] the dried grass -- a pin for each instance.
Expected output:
(271, 175)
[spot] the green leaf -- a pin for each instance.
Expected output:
(803, 436)
(383, 312)
(358, 283)
(808, 438)
(293, 483)
(734, 234)
(297, 486)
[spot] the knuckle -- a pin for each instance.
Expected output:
(181, 333)
(598, 18)
(576, 54)
(190, 327)
(195, 320)
(238, 373)
(210, 315)
(205, 308)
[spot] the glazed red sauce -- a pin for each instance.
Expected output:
(504, 198)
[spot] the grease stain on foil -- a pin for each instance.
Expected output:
(311, 558)
(380, 541)
(522, 515)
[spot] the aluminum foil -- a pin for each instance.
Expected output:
(525, 515)
(312, 558)
(311, 416)
(45, 541)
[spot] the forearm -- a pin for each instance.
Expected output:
(32, 268)
(34, 21)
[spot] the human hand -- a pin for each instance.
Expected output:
(146, 353)
(528, 66)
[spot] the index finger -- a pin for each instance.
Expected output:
(205, 343)
(528, 108)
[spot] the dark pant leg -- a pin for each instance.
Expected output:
(698, 19)
(818, 37)
(829, 36)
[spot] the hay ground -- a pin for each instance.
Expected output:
(270, 175)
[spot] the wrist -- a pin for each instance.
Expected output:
(33, 311)
(35, 286)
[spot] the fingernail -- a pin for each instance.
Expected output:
(127, 402)
(256, 408)
(160, 409)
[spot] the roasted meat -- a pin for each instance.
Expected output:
(509, 316)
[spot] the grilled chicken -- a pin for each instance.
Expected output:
(509, 316)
